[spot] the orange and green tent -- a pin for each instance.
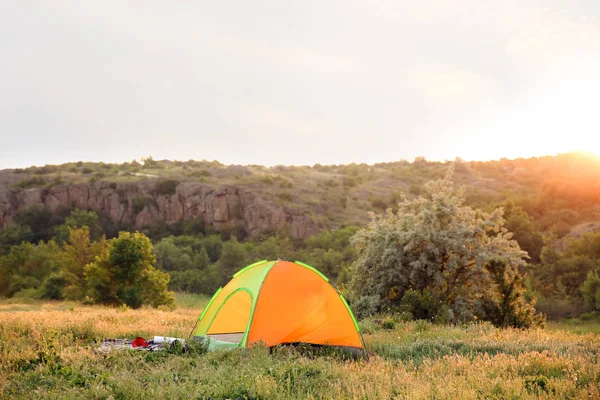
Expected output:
(278, 302)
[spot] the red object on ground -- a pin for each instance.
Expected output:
(139, 342)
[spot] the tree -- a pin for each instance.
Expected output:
(330, 252)
(180, 253)
(505, 303)
(79, 219)
(567, 264)
(125, 274)
(591, 290)
(25, 268)
(213, 245)
(520, 224)
(14, 235)
(233, 258)
(77, 253)
(39, 220)
(437, 245)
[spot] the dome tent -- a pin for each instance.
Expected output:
(279, 302)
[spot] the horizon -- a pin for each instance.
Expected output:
(284, 84)
(581, 153)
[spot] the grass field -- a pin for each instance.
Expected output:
(47, 350)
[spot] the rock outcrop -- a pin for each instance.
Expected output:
(143, 204)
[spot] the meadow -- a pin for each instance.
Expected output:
(48, 351)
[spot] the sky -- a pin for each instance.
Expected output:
(279, 82)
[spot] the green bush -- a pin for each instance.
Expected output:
(46, 169)
(388, 323)
(425, 305)
(590, 289)
(54, 287)
(589, 316)
(31, 182)
(366, 306)
(379, 203)
(166, 187)
(140, 203)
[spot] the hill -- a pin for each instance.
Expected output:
(557, 192)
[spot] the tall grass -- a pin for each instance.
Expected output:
(48, 351)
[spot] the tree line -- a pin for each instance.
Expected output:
(430, 256)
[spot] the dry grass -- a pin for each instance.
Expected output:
(47, 351)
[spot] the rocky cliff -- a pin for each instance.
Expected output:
(145, 202)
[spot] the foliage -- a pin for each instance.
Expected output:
(31, 182)
(436, 246)
(330, 252)
(125, 274)
(591, 290)
(233, 258)
(26, 268)
(78, 252)
(140, 203)
(543, 196)
(54, 287)
(39, 221)
(214, 246)
(187, 261)
(14, 235)
(524, 232)
(425, 305)
(564, 270)
(166, 187)
(506, 305)
(79, 219)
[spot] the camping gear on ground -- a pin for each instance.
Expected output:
(279, 302)
(167, 340)
(139, 343)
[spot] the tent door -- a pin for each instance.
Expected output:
(230, 322)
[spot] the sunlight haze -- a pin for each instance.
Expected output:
(272, 82)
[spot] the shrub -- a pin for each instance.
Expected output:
(149, 162)
(425, 305)
(200, 175)
(379, 203)
(166, 187)
(46, 169)
(349, 181)
(140, 203)
(31, 182)
(557, 308)
(285, 196)
(415, 189)
(54, 287)
(388, 323)
(591, 290)
(368, 326)
(366, 306)
(267, 180)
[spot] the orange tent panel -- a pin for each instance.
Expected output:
(296, 304)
